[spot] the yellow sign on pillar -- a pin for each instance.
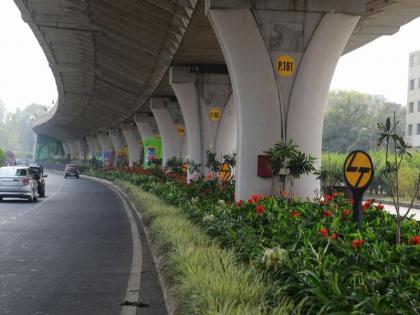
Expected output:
(215, 114)
(180, 130)
(358, 169)
(225, 171)
(184, 167)
(286, 66)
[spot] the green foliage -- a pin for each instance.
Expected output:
(395, 152)
(174, 165)
(203, 278)
(211, 161)
(288, 163)
(2, 157)
(193, 167)
(351, 117)
(16, 128)
(230, 159)
(310, 252)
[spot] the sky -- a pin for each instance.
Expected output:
(380, 67)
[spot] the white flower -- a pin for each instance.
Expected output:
(208, 217)
(222, 203)
(274, 257)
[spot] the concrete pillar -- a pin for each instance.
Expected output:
(202, 98)
(281, 82)
(74, 149)
(107, 149)
(117, 141)
(134, 152)
(66, 149)
(171, 141)
(93, 145)
(144, 125)
(80, 149)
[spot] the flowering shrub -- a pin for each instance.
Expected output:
(310, 251)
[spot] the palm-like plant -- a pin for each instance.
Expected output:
(300, 164)
(211, 161)
(286, 160)
(396, 150)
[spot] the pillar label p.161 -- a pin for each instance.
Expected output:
(286, 66)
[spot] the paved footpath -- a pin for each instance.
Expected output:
(415, 212)
(71, 253)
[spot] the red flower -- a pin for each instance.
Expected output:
(256, 198)
(239, 203)
(296, 214)
(250, 201)
(367, 204)
(259, 210)
(346, 213)
(357, 243)
(415, 240)
(334, 194)
(333, 236)
(323, 232)
(328, 197)
(284, 194)
(327, 213)
(380, 206)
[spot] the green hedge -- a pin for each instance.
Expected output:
(203, 278)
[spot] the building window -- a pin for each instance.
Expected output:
(418, 106)
(410, 129)
(412, 84)
(410, 107)
(418, 129)
(411, 60)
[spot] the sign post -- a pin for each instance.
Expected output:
(358, 173)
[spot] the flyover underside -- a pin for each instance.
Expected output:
(109, 57)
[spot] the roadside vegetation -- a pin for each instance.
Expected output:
(202, 277)
(308, 252)
(16, 128)
(310, 257)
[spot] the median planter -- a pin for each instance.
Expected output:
(309, 253)
(202, 278)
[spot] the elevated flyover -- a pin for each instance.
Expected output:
(109, 58)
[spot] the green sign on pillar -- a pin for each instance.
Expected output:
(152, 150)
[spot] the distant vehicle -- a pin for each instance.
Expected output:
(72, 170)
(38, 174)
(18, 182)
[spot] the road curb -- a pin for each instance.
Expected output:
(169, 304)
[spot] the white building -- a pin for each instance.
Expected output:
(413, 101)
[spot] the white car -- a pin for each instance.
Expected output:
(18, 182)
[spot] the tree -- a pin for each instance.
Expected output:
(2, 157)
(396, 151)
(16, 128)
(350, 120)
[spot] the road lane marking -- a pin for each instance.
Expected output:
(133, 287)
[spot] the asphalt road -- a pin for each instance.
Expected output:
(69, 253)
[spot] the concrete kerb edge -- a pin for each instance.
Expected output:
(169, 301)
